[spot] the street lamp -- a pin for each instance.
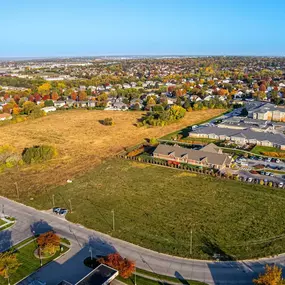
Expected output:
(113, 212)
(90, 250)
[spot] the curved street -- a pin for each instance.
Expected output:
(70, 267)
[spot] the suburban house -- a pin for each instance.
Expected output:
(209, 156)
(49, 109)
(5, 116)
(240, 137)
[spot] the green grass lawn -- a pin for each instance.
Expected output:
(167, 278)
(156, 207)
(2, 222)
(144, 281)
(260, 149)
(29, 263)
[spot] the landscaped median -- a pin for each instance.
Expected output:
(129, 274)
(6, 222)
(22, 259)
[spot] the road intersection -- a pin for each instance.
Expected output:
(70, 267)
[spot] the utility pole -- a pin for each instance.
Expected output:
(191, 241)
(53, 203)
(70, 205)
(135, 275)
(17, 189)
(113, 212)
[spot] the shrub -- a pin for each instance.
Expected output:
(136, 152)
(107, 122)
(153, 141)
(37, 154)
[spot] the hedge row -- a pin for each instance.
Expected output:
(191, 168)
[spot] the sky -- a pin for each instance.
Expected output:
(33, 28)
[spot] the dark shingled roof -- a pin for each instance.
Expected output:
(211, 156)
(100, 275)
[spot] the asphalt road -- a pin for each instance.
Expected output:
(70, 267)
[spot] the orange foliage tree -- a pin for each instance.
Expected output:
(116, 261)
(48, 242)
(73, 95)
(54, 96)
(272, 276)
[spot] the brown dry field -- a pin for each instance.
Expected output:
(82, 143)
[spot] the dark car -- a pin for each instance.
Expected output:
(56, 210)
(63, 212)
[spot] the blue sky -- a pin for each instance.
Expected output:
(36, 28)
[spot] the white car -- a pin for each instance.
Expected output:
(278, 160)
(280, 185)
(249, 179)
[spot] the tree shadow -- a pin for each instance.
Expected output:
(211, 248)
(100, 247)
(5, 240)
(181, 278)
(40, 227)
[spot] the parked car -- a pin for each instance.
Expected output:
(280, 185)
(249, 179)
(278, 160)
(56, 210)
(63, 212)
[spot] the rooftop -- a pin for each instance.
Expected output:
(101, 275)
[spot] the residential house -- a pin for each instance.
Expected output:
(5, 116)
(49, 109)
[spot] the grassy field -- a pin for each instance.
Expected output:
(2, 222)
(82, 143)
(29, 263)
(261, 149)
(156, 207)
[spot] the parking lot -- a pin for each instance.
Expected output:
(254, 169)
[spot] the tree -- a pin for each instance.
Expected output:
(8, 264)
(54, 96)
(272, 276)
(48, 103)
(123, 265)
(244, 112)
(48, 242)
(29, 107)
(262, 87)
(176, 112)
(44, 89)
(73, 95)
(108, 122)
(82, 96)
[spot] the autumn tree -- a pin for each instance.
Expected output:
(54, 96)
(272, 276)
(48, 242)
(82, 96)
(28, 107)
(262, 87)
(44, 89)
(116, 261)
(8, 264)
(73, 95)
